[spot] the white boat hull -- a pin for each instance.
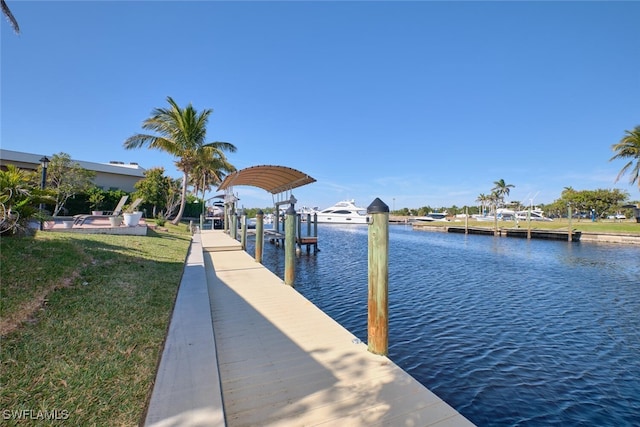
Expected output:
(344, 212)
(337, 219)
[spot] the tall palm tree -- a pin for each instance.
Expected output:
(211, 168)
(7, 13)
(483, 199)
(182, 133)
(629, 148)
(501, 189)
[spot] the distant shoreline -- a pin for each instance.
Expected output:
(606, 232)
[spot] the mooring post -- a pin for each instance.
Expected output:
(290, 246)
(529, 224)
(378, 300)
(315, 231)
(569, 216)
(315, 225)
(234, 223)
(226, 218)
(259, 235)
(243, 230)
(466, 220)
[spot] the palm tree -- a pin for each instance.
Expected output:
(211, 168)
(483, 199)
(501, 189)
(7, 13)
(182, 134)
(629, 148)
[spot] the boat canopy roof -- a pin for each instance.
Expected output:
(274, 179)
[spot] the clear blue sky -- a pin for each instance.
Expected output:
(418, 103)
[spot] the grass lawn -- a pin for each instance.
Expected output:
(83, 318)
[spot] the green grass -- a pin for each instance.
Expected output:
(92, 313)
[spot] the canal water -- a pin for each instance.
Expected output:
(510, 332)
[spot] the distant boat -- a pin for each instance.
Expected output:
(433, 216)
(480, 217)
(511, 215)
(304, 211)
(536, 215)
(343, 212)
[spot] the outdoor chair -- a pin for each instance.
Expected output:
(80, 219)
(133, 206)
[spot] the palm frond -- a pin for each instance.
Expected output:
(629, 148)
(12, 20)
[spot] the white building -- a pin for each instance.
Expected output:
(109, 176)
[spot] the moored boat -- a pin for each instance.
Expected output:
(343, 212)
(432, 216)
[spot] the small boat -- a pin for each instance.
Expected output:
(343, 212)
(433, 216)
(304, 211)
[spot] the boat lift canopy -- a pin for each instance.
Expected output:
(274, 179)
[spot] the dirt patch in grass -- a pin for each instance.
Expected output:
(28, 310)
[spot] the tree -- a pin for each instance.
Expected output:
(96, 198)
(211, 168)
(19, 199)
(7, 13)
(182, 134)
(629, 148)
(484, 201)
(154, 188)
(501, 189)
(586, 202)
(66, 179)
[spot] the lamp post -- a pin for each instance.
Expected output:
(204, 177)
(44, 162)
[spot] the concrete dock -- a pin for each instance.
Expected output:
(244, 349)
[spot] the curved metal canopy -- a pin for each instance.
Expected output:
(274, 179)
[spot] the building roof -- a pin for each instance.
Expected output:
(118, 168)
(274, 179)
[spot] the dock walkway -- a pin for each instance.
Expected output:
(281, 361)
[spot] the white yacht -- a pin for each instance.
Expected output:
(536, 215)
(344, 212)
(433, 216)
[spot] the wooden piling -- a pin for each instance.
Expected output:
(569, 216)
(227, 218)
(299, 232)
(378, 298)
(259, 235)
(243, 231)
(290, 246)
(466, 221)
(233, 221)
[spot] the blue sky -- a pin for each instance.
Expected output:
(418, 103)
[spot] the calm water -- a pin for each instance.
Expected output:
(509, 332)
